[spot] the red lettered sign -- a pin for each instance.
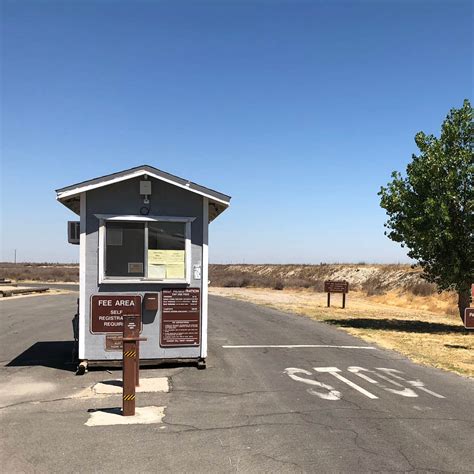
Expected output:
(107, 312)
(180, 321)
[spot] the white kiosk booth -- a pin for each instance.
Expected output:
(143, 237)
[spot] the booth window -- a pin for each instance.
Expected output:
(125, 249)
(153, 250)
(166, 250)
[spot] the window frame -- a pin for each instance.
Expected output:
(104, 218)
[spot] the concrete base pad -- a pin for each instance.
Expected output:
(110, 387)
(113, 416)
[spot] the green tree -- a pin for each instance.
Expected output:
(431, 210)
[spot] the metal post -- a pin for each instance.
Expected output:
(137, 368)
(329, 299)
(343, 300)
(131, 329)
(129, 369)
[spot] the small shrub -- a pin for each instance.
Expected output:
(423, 288)
(298, 283)
(318, 286)
(374, 285)
(234, 282)
(261, 281)
(279, 285)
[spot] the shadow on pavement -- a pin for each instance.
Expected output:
(112, 410)
(114, 383)
(402, 325)
(60, 355)
(54, 354)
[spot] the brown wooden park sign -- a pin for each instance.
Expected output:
(108, 311)
(469, 318)
(469, 313)
(336, 286)
(333, 286)
(181, 311)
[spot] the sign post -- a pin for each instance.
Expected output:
(332, 286)
(131, 329)
(137, 367)
(112, 315)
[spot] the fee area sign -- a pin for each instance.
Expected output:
(107, 312)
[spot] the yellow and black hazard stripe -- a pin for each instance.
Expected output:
(129, 398)
(130, 353)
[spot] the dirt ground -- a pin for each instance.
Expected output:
(426, 329)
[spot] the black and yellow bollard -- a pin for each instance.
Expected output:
(131, 329)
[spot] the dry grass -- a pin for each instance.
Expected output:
(44, 272)
(418, 327)
(230, 276)
(371, 278)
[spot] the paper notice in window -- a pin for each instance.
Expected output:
(156, 272)
(169, 261)
(175, 271)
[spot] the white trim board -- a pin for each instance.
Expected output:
(82, 276)
(204, 276)
(298, 346)
(140, 218)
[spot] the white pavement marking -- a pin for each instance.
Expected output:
(363, 374)
(298, 346)
(334, 371)
(414, 383)
(152, 384)
(113, 416)
(331, 395)
(403, 391)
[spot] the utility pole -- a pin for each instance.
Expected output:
(15, 256)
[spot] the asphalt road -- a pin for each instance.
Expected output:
(255, 409)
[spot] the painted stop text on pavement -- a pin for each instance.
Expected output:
(389, 380)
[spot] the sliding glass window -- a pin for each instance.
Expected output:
(125, 249)
(154, 250)
(167, 250)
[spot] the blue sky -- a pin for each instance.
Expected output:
(299, 110)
